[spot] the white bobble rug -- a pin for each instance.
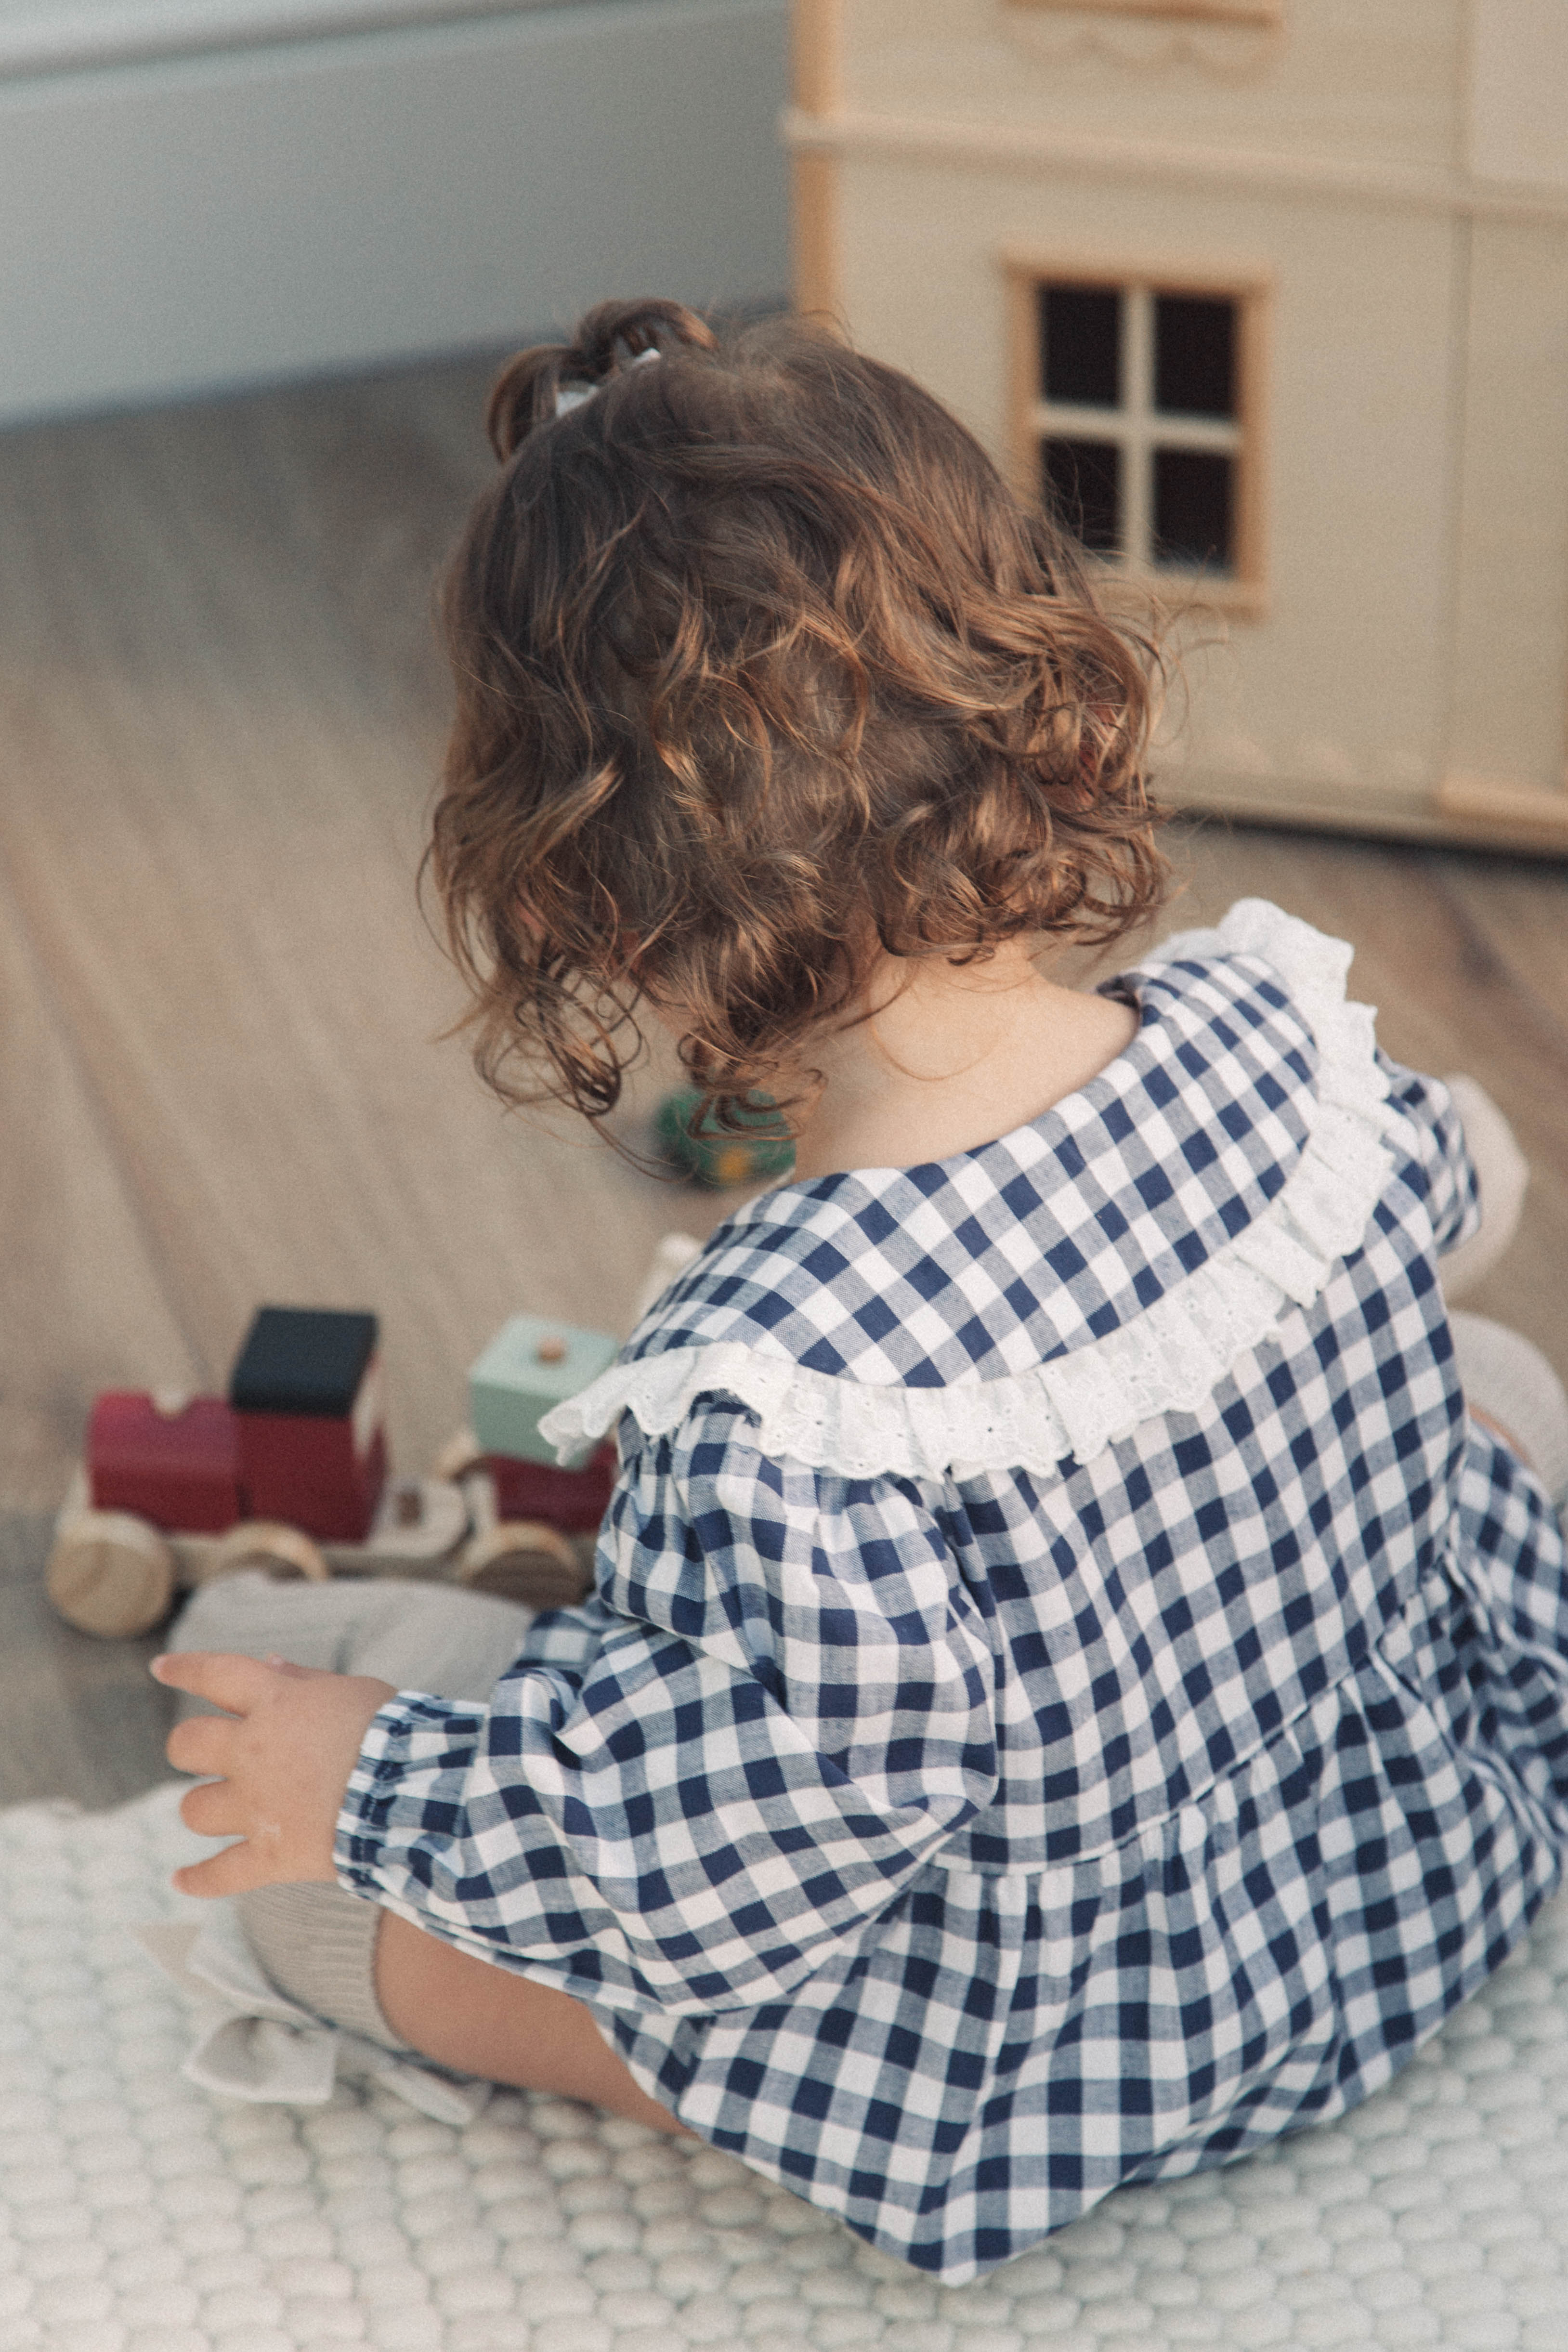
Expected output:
(138, 2215)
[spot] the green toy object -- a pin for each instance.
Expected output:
(715, 1156)
(529, 1367)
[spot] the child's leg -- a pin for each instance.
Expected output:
(353, 1964)
(1510, 1386)
(372, 1973)
(428, 1637)
(481, 2020)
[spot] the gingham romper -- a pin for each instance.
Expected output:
(1067, 1697)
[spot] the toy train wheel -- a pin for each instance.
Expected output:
(283, 1551)
(111, 1573)
(461, 1454)
(524, 1559)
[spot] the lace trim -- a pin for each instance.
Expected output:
(1168, 1360)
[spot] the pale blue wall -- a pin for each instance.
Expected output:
(172, 225)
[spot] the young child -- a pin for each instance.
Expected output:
(1070, 1695)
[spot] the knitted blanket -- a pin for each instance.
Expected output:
(138, 2213)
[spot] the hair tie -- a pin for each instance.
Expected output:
(573, 395)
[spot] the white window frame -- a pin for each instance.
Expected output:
(1136, 427)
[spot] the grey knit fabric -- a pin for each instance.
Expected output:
(318, 1947)
(423, 1637)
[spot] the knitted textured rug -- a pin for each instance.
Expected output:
(139, 2214)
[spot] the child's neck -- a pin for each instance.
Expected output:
(951, 1059)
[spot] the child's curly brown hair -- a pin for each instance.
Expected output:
(759, 666)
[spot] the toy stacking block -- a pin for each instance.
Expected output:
(172, 1460)
(718, 1156)
(306, 1393)
(573, 1500)
(529, 1367)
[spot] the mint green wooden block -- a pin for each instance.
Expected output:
(529, 1367)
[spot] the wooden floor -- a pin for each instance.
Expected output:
(220, 716)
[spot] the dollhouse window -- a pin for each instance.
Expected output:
(1138, 423)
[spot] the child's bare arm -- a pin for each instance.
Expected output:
(278, 1762)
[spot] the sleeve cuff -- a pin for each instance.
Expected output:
(405, 1784)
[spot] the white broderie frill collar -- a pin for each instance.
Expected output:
(1165, 1360)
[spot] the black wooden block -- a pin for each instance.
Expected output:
(305, 1359)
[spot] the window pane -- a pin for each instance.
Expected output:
(1080, 346)
(1195, 356)
(1193, 504)
(1082, 485)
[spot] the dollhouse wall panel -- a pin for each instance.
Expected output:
(1337, 689)
(1373, 80)
(1518, 91)
(1512, 633)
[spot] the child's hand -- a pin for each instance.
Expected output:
(280, 1761)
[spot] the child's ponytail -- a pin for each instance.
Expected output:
(549, 379)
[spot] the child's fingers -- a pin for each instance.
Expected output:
(235, 1871)
(211, 1809)
(229, 1681)
(203, 1743)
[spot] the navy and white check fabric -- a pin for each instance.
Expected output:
(955, 1848)
(1005, 1257)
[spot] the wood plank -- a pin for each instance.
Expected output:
(212, 790)
(84, 1719)
(83, 1302)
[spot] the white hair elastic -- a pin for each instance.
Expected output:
(573, 395)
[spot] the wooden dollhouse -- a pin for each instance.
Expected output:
(1272, 298)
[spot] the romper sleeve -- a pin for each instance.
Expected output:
(777, 1705)
(1437, 1163)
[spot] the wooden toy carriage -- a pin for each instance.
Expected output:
(289, 1473)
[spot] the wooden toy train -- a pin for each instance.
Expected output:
(289, 1473)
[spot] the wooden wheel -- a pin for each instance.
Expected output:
(283, 1550)
(458, 1457)
(111, 1573)
(524, 1559)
